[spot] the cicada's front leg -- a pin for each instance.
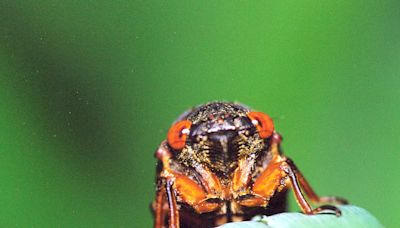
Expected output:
(310, 192)
(175, 184)
(281, 174)
(159, 206)
(290, 169)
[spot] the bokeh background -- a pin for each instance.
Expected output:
(88, 89)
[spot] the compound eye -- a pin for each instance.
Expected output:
(178, 133)
(263, 123)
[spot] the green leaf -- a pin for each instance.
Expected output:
(352, 216)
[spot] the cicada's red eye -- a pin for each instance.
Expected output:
(178, 133)
(263, 123)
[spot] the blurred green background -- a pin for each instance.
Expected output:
(88, 89)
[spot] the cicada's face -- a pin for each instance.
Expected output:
(218, 135)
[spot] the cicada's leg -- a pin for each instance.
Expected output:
(166, 196)
(310, 192)
(263, 188)
(159, 207)
(165, 193)
(266, 184)
(278, 176)
(173, 207)
(189, 191)
(289, 169)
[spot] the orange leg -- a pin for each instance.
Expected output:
(189, 192)
(279, 175)
(301, 201)
(173, 207)
(310, 192)
(158, 208)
